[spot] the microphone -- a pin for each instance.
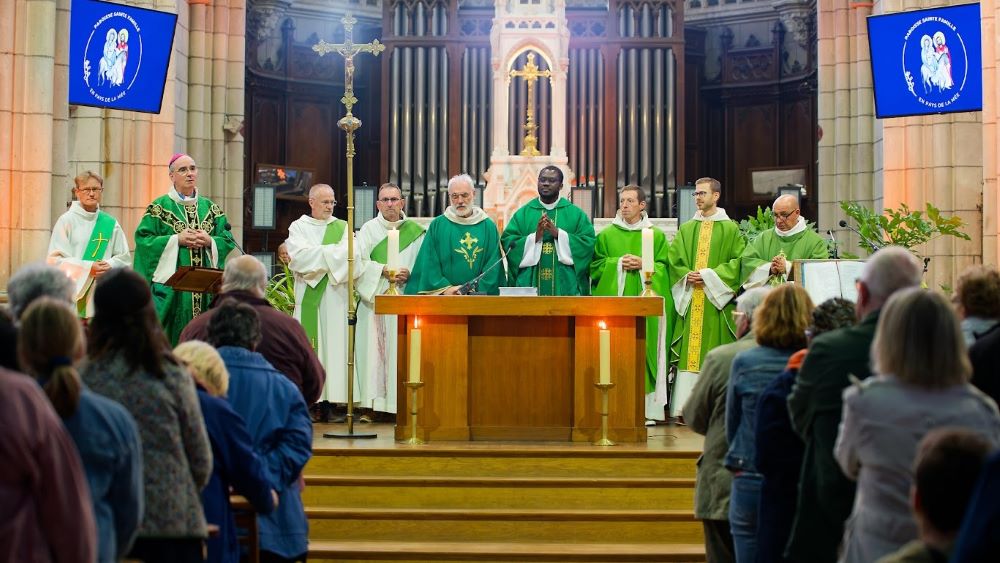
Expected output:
(833, 239)
(864, 240)
(229, 233)
(472, 286)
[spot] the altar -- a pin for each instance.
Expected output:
(521, 368)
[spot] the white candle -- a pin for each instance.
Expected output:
(415, 355)
(647, 250)
(605, 376)
(393, 260)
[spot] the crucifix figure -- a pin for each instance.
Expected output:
(349, 124)
(530, 74)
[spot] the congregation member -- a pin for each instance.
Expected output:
(317, 244)
(779, 448)
(549, 241)
(130, 362)
(779, 329)
(768, 259)
(461, 244)
(704, 268)
(50, 345)
(921, 383)
(46, 512)
(616, 271)
(375, 349)
(977, 299)
(815, 406)
(26, 285)
(180, 228)
(283, 340)
(279, 426)
(985, 357)
(87, 241)
(235, 466)
(705, 413)
(948, 464)
(978, 539)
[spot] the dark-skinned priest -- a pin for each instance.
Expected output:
(767, 260)
(550, 242)
(704, 262)
(460, 244)
(617, 270)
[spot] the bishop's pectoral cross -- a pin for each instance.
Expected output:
(99, 240)
(530, 74)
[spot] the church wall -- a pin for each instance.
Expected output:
(50, 141)
(991, 132)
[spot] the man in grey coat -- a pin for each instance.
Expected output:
(705, 413)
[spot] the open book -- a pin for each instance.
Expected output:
(825, 279)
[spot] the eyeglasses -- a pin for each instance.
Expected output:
(700, 194)
(786, 214)
(90, 190)
(390, 199)
(457, 197)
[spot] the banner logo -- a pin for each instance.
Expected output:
(935, 62)
(112, 56)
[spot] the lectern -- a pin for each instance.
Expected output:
(521, 368)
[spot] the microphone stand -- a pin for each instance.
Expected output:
(472, 286)
(864, 240)
(836, 248)
(229, 234)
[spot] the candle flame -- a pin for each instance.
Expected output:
(603, 325)
(416, 322)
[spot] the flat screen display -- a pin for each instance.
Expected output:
(927, 61)
(118, 55)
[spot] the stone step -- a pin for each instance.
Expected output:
(500, 525)
(498, 492)
(427, 551)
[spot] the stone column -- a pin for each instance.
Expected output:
(991, 131)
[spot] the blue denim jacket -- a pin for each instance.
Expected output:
(752, 370)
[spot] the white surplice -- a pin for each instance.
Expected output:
(310, 261)
(375, 346)
(70, 237)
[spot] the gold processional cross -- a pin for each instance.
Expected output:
(349, 124)
(530, 74)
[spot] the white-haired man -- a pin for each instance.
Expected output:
(460, 244)
(376, 343)
(768, 258)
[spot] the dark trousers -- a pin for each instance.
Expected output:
(718, 541)
(270, 557)
(174, 550)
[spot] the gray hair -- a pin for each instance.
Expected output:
(889, 270)
(750, 300)
(245, 273)
(34, 281)
(462, 178)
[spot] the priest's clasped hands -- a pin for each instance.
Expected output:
(778, 265)
(631, 263)
(99, 268)
(546, 225)
(402, 275)
(194, 238)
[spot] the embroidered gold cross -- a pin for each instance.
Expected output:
(99, 240)
(547, 248)
(468, 241)
(546, 274)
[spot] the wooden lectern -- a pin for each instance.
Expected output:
(521, 368)
(196, 279)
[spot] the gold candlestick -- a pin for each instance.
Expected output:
(604, 387)
(392, 289)
(648, 283)
(414, 385)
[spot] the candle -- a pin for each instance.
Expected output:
(605, 376)
(415, 353)
(393, 262)
(647, 250)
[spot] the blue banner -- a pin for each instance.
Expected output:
(118, 55)
(927, 61)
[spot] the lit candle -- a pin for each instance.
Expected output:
(393, 262)
(605, 376)
(415, 352)
(647, 250)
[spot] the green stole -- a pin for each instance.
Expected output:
(313, 295)
(409, 231)
(100, 240)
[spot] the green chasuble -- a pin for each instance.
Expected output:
(454, 251)
(703, 325)
(550, 273)
(614, 242)
(805, 244)
(164, 218)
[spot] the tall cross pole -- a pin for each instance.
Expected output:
(349, 124)
(530, 74)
